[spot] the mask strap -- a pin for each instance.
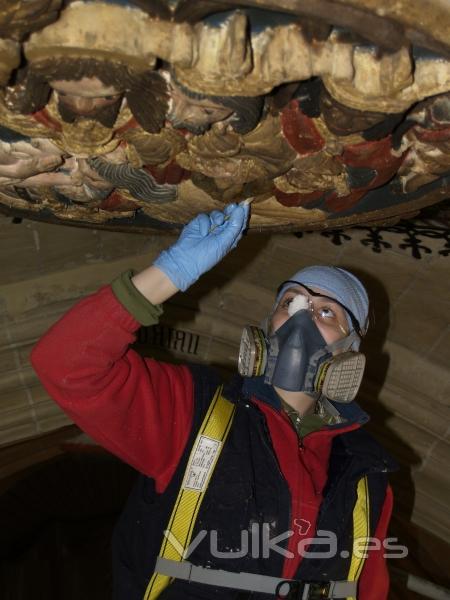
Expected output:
(265, 324)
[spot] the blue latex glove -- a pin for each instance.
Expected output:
(202, 244)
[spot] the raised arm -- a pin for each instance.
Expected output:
(137, 408)
(202, 244)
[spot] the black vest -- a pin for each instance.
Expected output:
(246, 490)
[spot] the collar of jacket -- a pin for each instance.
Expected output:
(255, 386)
(349, 438)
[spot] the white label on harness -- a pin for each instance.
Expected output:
(201, 464)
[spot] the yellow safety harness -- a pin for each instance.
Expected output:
(361, 531)
(202, 461)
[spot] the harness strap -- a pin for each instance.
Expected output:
(202, 461)
(361, 531)
(252, 582)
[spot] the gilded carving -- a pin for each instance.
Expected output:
(230, 158)
(19, 18)
(136, 110)
(9, 59)
(427, 144)
(390, 84)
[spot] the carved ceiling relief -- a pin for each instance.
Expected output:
(138, 115)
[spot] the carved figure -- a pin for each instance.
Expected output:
(83, 102)
(31, 166)
(140, 109)
(227, 145)
(229, 165)
(197, 112)
(427, 144)
(342, 153)
(21, 161)
(91, 88)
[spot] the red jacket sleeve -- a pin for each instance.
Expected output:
(374, 580)
(137, 408)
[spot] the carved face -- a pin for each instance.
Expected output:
(195, 115)
(85, 97)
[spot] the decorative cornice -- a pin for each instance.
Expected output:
(407, 236)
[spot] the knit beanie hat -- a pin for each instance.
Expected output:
(336, 283)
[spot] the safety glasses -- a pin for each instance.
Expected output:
(353, 319)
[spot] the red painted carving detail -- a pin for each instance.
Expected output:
(171, 173)
(116, 202)
(297, 199)
(299, 130)
(44, 118)
(431, 136)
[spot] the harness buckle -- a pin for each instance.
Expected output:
(318, 590)
(303, 590)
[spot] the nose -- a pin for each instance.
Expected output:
(184, 112)
(80, 105)
(179, 107)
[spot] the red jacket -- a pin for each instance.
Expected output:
(85, 363)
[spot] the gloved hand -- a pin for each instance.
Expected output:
(202, 244)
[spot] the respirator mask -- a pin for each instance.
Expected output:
(296, 357)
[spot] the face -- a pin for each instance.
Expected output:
(195, 115)
(86, 96)
(329, 316)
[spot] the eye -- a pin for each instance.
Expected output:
(287, 301)
(326, 312)
(208, 111)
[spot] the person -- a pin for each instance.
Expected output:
(264, 487)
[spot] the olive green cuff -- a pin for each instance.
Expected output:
(136, 304)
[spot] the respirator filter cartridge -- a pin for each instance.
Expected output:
(339, 379)
(252, 352)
